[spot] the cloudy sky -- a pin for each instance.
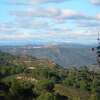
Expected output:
(49, 21)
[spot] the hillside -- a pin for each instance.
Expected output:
(63, 54)
(28, 78)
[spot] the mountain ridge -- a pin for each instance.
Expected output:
(63, 54)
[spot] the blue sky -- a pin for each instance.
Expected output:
(49, 21)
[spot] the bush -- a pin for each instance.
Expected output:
(47, 85)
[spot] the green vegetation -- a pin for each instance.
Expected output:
(27, 78)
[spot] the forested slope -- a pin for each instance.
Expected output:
(28, 78)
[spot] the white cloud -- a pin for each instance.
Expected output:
(37, 12)
(98, 16)
(73, 15)
(30, 2)
(95, 2)
(28, 20)
(54, 13)
(24, 36)
(16, 36)
(92, 24)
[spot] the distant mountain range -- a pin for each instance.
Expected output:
(62, 54)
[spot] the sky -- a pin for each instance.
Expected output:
(49, 21)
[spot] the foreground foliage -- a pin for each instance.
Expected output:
(45, 81)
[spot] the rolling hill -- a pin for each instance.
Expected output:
(28, 78)
(62, 54)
